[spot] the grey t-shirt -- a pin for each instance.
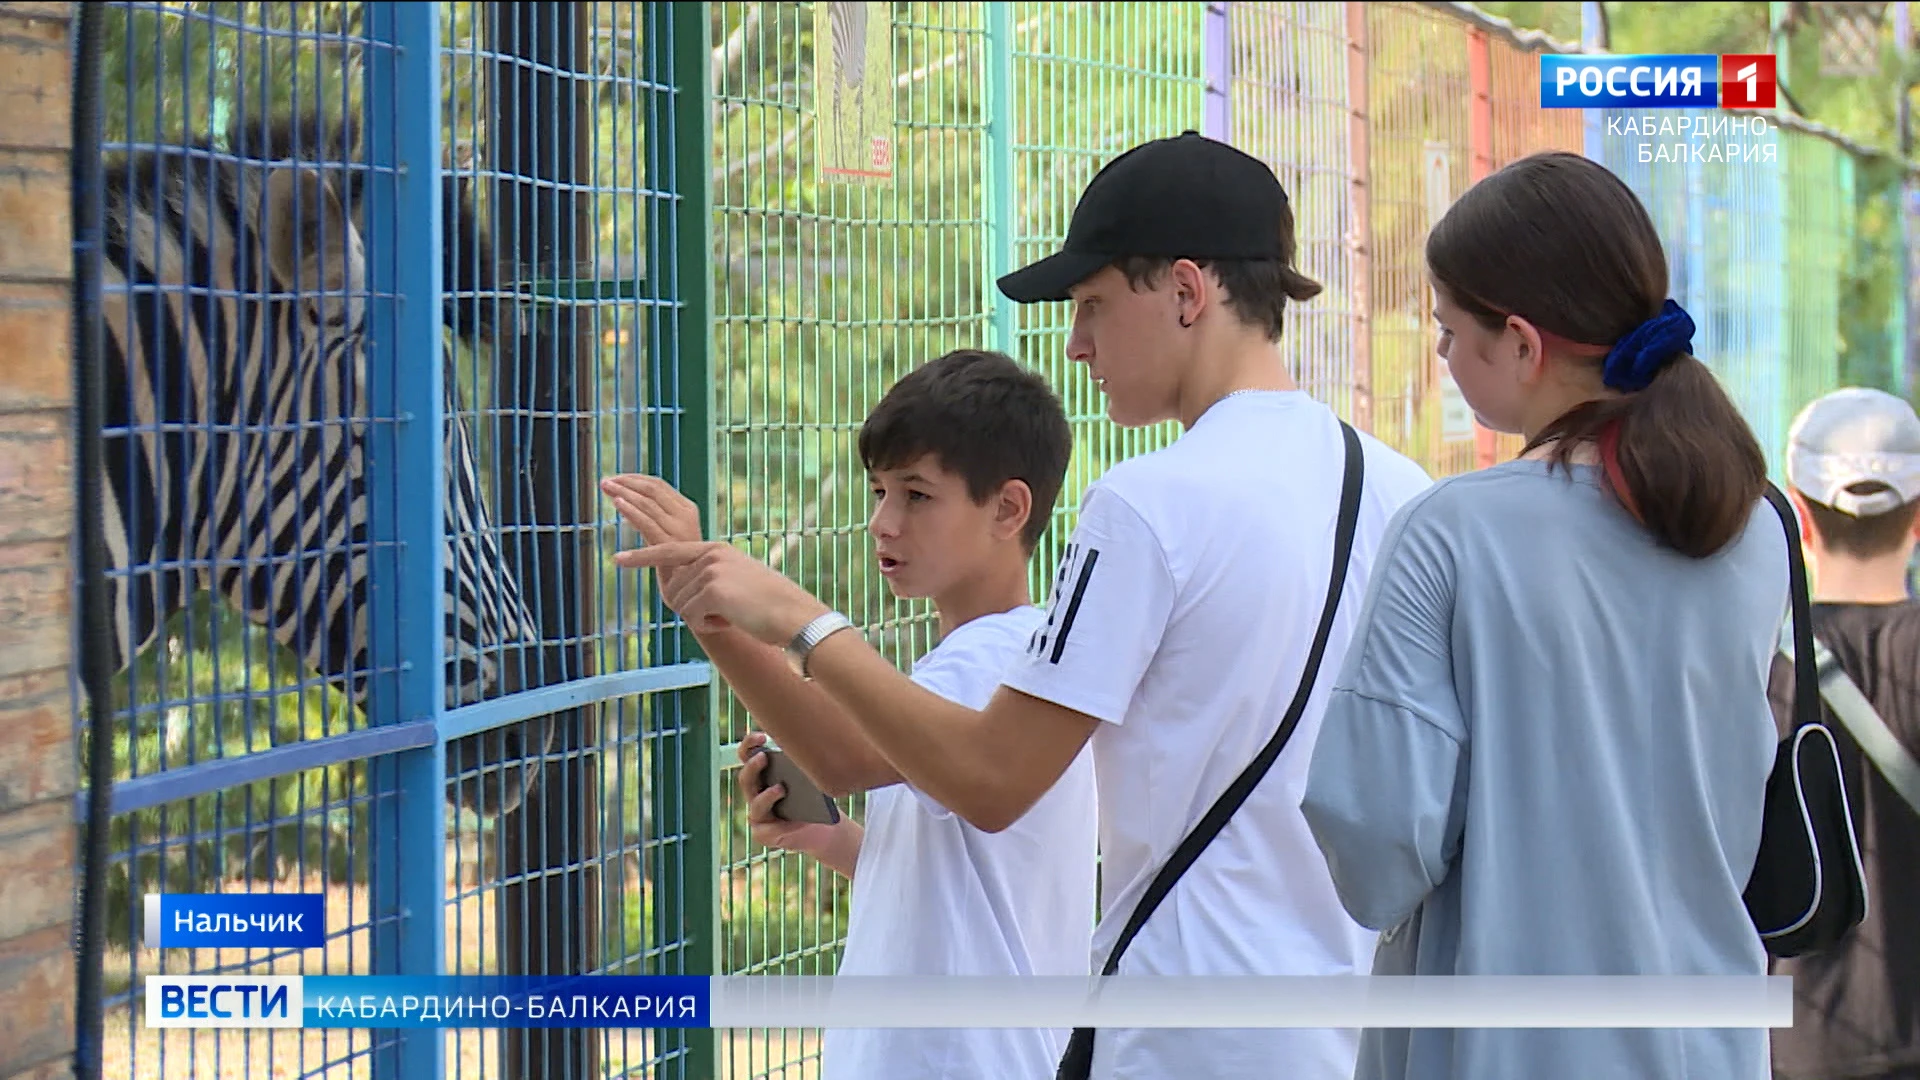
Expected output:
(1550, 739)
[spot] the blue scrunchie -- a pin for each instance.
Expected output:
(1638, 357)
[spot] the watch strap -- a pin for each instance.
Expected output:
(812, 634)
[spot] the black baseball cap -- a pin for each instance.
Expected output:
(1188, 197)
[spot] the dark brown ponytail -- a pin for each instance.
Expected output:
(1691, 467)
(1563, 243)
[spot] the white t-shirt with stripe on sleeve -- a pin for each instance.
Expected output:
(1183, 611)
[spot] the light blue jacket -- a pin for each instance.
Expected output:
(1550, 740)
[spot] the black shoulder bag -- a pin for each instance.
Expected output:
(1077, 1062)
(1808, 888)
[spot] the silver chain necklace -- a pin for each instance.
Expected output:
(1233, 394)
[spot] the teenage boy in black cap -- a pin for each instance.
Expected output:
(1183, 613)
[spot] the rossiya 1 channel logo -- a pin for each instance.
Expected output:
(1731, 81)
(1672, 108)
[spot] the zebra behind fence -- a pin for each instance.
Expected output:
(233, 298)
(466, 263)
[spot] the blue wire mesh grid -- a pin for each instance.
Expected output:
(370, 349)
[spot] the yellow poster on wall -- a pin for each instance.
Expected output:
(853, 91)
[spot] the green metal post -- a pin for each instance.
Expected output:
(1000, 210)
(686, 904)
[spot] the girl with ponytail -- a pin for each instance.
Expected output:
(1548, 747)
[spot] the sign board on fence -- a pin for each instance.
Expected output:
(1456, 418)
(853, 91)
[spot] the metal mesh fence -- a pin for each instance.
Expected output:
(1512, 126)
(1289, 108)
(1818, 241)
(826, 292)
(1419, 99)
(639, 261)
(227, 604)
(1375, 117)
(379, 317)
(1075, 85)
(559, 129)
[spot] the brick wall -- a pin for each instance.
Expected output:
(37, 770)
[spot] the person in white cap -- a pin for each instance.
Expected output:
(1853, 472)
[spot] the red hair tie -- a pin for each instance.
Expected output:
(1616, 476)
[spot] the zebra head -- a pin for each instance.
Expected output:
(237, 375)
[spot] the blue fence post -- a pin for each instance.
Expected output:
(1000, 201)
(406, 478)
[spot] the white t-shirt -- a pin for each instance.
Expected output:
(933, 895)
(1183, 612)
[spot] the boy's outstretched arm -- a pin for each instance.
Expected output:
(989, 766)
(807, 723)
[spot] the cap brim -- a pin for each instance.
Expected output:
(1052, 277)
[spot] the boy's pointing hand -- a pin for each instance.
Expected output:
(714, 585)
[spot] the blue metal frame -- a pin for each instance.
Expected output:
(219, 774)
(187, 781)
(612, 686)
(406, 472)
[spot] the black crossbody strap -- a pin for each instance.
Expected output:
(1250, 777)
(1806, 680)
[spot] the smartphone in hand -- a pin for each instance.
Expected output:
(804, 801)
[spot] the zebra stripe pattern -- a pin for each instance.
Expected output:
(235, 451)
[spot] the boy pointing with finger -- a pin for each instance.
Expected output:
(1184, 616)
(965, 457)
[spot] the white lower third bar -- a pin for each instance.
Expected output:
(1256, 1002)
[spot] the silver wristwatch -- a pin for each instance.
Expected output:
(810, 637)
